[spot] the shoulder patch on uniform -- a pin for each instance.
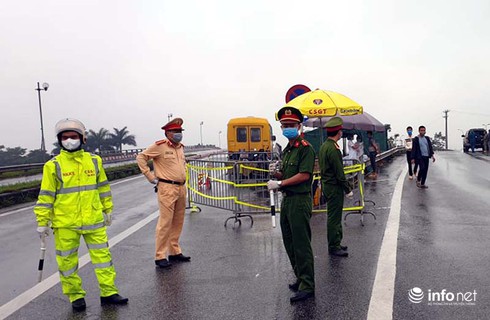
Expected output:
(159, 142)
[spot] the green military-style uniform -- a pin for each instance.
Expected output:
(334, 185)
(296, 210)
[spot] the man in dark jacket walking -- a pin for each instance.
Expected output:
(421, 153)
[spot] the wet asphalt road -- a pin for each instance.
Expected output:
(243, 273)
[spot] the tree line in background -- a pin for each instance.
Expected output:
(97, 141)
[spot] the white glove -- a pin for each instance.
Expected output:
(274, 167)
(273, 185)
(350, 195)
(107, 219)
(154, 181)
(43, 231)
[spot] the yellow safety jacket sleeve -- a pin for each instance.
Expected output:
(44, 206)
(103, 187)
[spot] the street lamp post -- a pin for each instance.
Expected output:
(45, 88)
(219, 139)
(169, 116)
(202, 122)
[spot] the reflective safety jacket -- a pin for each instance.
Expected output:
(74, 192)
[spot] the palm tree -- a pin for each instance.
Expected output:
(120, 137)
(98, 140)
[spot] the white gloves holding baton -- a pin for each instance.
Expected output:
(43, 231)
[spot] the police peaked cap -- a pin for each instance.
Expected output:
(174, 124)
(290, 114)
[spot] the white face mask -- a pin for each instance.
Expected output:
(71, 144)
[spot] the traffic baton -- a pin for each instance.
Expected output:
(41, 258)
(273, 208)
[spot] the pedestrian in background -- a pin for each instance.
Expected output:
(486, 140)
(421, 152)
(373, 150)
(169, 179)
(75, 200)
(334, 186)
(294, 180)
(408, 149)
(472, 138)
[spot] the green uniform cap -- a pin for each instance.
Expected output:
(334, 124)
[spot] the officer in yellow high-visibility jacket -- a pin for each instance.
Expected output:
(75, 200)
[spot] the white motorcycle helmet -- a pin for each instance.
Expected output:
(71, 125)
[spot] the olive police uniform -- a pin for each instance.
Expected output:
(296, 207)
(169, 169)
(334, 184)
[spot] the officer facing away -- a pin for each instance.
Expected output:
(295, 179)
(75, 200)
(169, 178)
(334, 185)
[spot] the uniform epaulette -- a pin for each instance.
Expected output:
(159, 142)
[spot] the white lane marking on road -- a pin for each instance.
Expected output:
(8, 213)
(381, 304)
(34, 292)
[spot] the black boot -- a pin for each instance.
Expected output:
(179, 258)
(301, 295)
(294, 286)
(114, 299)
(163, 263)
(338, 252)
(79, 304)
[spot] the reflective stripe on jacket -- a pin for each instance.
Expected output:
(74, 192)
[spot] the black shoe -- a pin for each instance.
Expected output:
(163, 263)
(301, 295)
(338, 252)
(179, 258)
(79, 304)
(114, 299)
(344, 248)
(294, 286)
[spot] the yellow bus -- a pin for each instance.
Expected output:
(248, 136)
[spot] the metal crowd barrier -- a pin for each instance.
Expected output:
(241, 187)
(354, 172)
(236, 186)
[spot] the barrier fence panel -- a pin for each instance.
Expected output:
(241, 187)
(354, 173)
(237, 186)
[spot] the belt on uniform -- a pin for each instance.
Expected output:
(171, 182)
(291, 193)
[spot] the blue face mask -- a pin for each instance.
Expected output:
(177, 137)
(409, 132)
(290, 133)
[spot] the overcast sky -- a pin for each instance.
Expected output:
(131, 63)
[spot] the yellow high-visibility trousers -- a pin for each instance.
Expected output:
(67, 242)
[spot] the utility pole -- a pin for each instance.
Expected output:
(445, 117)
(38, 89)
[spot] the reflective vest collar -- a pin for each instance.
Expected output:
(78, 155)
